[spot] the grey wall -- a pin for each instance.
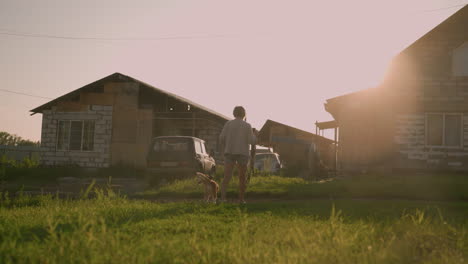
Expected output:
(99, 157)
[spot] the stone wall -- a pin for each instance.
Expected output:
(443, 94)
(410, 138)
(98, 157)
(449, 94)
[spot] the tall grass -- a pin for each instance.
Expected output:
(112, 229)
(7, 162)
(419, 187)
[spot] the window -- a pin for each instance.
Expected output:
(460, 60)
(203, 147)
(444, 130)
(198, 147)
(75, 135)
(171, 145)
(435, 125)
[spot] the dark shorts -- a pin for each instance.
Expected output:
(236, 158)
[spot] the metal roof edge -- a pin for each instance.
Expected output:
(117, 74)
(180, 98)
(269, 121)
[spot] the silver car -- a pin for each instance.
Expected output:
(267, 162)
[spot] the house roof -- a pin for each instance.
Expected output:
(121, 77)
(264, 132)
(335, 103)
(347, 96)
(327, 124)
(456, 23)
(452, 26)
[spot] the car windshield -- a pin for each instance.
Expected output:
(171, 145)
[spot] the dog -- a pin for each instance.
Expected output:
(211, 187)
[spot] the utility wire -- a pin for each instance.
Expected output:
(8, 32)
(31, 95)
(35, 35)
(444, 8)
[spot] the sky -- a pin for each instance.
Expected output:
(281, 60)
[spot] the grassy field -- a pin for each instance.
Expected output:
(112, 229)
(449, 187)
(365, 219)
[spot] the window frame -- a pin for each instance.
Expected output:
(444, 114)
(69, 135)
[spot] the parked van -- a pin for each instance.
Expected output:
(267, 162)
(175, 157)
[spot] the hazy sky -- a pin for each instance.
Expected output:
(279, 59)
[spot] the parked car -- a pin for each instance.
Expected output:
(174, 157)
(267, 162)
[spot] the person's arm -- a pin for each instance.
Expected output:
(251, 136)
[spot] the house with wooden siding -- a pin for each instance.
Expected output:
(418, 117)
(111, 122)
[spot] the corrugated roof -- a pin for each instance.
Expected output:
(266, 128)
(119, 76)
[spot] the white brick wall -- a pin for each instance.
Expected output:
(410, 137)
(99, 157)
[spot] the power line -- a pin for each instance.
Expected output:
(444, 8)
(8, 32)
(35, 35)
(31, 95)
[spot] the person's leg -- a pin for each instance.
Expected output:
(227, 177)
(242, 180)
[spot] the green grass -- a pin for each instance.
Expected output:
(403, 186)
(112, 229)
(401, 218)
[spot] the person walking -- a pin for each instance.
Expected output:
(235, 138)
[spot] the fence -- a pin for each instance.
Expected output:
(20, 152)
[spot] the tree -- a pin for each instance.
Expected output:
(15, 140)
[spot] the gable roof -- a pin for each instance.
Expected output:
(265, 131)
(121, 77)
(455, 25)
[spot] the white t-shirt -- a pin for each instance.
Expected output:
(236, 137)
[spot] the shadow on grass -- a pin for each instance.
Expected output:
(437, 187)
(361, 198)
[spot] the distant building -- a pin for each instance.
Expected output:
(418, 117)
(296, 146)
(112, 121)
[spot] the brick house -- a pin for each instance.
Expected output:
(112, 121)
(418, 117)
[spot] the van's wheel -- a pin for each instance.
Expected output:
(153, 181)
